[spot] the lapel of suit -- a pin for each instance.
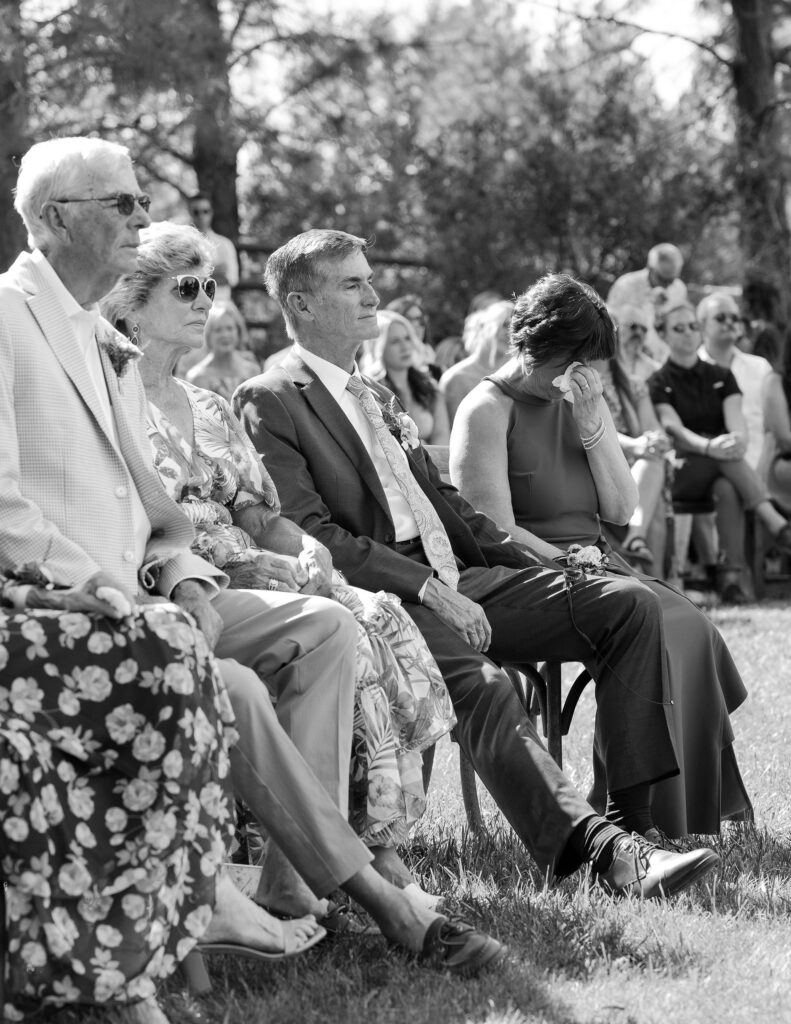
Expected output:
(136, 458)
(338, 426)
(60, 337)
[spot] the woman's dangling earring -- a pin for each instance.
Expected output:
(136, 333)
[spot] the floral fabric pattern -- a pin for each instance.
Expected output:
(115, 806)
(401, 707)
(623, 412)
(402, 704)
(222, 472)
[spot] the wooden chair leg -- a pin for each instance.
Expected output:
(572, 699)
(754, 550)
(552, 672)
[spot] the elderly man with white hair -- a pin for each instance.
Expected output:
(718, 316)
(655, 289)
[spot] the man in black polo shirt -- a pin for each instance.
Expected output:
(699, 405)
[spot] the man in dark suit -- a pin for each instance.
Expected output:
(391, 523)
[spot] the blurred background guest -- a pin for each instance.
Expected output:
(481, 300)
(655, 288)
(391, 358)
(720, 324)
(411, 308)
(776, 398)
(486, 342)
(645, 444)
(699, 405)
(226, 261)
(633, 325)
(449, 351)
(543, 467)
(228, 363)
(767, 341)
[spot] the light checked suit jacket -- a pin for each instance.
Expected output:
(64, 487)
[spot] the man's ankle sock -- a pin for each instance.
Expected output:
(630, 808)
(592, 842)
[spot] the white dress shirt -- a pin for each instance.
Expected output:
(635, 289)
(84, 323)
(335, 380)
(750, 372)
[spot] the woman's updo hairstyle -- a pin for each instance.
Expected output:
(165, 249)
(561, 317)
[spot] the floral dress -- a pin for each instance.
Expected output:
(114, 801)
(402, 705)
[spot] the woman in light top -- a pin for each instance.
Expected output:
(390, 358)
(228, 364)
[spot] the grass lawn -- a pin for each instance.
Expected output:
(719, 952)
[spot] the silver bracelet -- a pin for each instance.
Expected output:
(595, 437)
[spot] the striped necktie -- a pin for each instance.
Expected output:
(436, 543)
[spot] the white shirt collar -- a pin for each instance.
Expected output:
(69, 304)
(331, 376)
(736, 356)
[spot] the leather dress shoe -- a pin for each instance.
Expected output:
(730, 587)
(460, 948)
(640, 869)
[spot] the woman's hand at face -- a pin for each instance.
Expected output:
(587, 390)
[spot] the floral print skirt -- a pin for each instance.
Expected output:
(115, 805)
(401, 707)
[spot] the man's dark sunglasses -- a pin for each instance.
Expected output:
(636, 327)
(726, 318)
(189, 286)
(125, 201)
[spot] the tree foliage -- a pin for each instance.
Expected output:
(477, 155)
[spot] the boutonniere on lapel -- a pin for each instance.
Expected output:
(401, 426)
(120, 351)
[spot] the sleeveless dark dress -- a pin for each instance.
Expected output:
(553, 495)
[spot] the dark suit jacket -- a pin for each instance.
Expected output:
(329, 486)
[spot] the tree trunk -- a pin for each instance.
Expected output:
(13, 137)
(215, 144)
(761, 179)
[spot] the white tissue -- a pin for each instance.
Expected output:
(563, 382)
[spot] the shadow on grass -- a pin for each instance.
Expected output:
(566, 931)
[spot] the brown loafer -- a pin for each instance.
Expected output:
(640, 869)
(460, 948)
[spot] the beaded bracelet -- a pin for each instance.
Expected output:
(595, 437)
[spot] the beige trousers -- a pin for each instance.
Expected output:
(304, 649)
(273, 779)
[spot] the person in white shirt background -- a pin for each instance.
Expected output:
(655, 289)
(226, 260)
